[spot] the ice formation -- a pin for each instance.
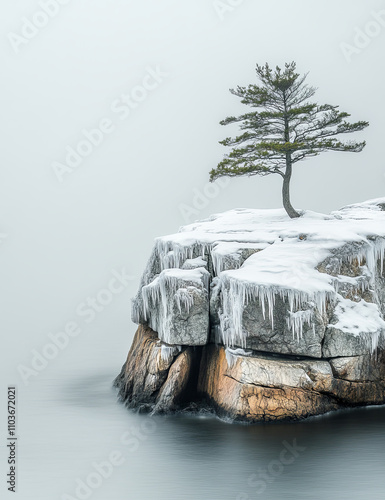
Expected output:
(170, 286)
(297, 320)
(194, 263)
(261, 256)
(232, 355)
(360, 318)
(169, 351)
(184, 300)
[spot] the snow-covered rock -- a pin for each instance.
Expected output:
(176, 305)
(275, 277)
(258, 282)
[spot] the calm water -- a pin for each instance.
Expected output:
(69, 421)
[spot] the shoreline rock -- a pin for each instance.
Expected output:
(262, 318)
(250, 388)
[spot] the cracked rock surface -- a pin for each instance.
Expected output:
(260, 317)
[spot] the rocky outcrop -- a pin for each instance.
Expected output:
(260, 317)
(176, 305)
(156, 376)
(259, 387)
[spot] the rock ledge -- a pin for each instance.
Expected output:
(261, 317)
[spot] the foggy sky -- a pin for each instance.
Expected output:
(61, 240)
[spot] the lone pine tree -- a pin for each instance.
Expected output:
(283, 129)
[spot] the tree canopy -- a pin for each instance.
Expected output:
(283, 128)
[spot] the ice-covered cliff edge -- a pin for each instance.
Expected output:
(264, 289)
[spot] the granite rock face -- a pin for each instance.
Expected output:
(260, 317)
(262, 390)
(262, 336)
(257, 387)
(155, 376)
(176, 305)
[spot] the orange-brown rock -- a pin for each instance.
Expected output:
(245, 386)
(262, 388)
(150, 380)
(176, 383)
(249, 402)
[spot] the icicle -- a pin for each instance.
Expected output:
(184, 299)
(219, 260)
(373, 252)
(375, 337)
(237, 294)
(217, 334)
(169, 351)
(173, 255)
(168, 286)
(297, 320)
(157, 291)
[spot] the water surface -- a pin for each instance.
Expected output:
(70, 421)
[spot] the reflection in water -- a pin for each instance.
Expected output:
(339, 455)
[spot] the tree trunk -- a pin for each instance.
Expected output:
(292, 213)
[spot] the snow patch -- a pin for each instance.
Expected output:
(194, 263)
(283, 263)
(358, 318)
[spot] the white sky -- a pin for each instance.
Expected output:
(63, 239)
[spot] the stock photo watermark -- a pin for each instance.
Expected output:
(3, 237)
(201, 199)
(93, 138)
(12, 439)
(261, 480)
(364, 35)
(88, 310)
(101, 471)
(32, 26)
(224, 7)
